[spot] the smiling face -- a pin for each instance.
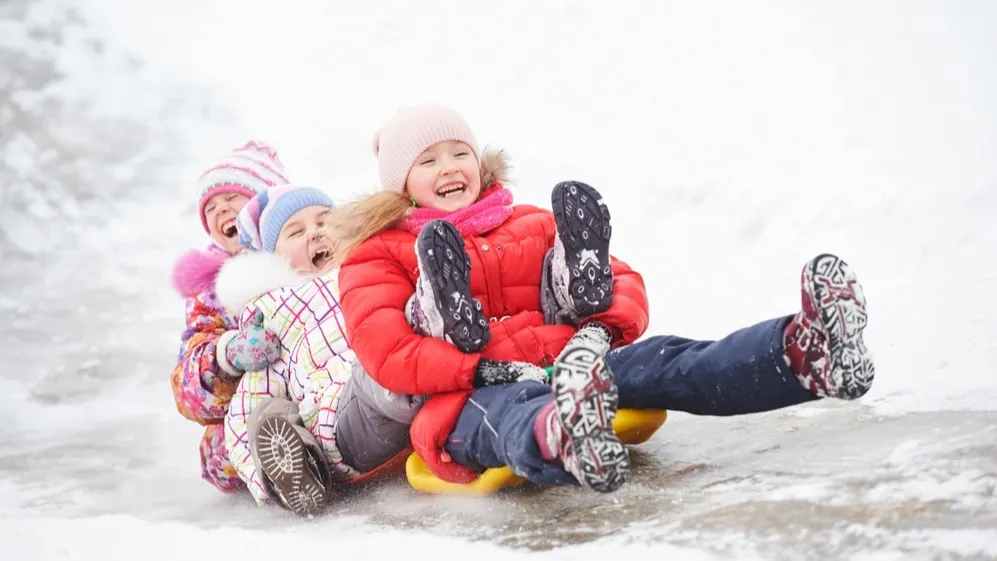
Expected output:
(445, 177)
(220, 213)
(304, 240)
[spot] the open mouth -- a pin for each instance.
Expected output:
(321, 258)
(228, 229)
(453, 189)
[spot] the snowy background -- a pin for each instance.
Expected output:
(732, 140)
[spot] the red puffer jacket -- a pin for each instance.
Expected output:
(378, 278)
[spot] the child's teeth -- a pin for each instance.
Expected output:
(452, 191)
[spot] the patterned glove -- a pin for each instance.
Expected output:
(495, 372)
(248, 349)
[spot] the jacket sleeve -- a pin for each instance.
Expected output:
(200, 388)
(251, 390)
(628, 314)
(374, 290)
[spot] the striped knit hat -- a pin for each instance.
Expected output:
(409, 133)
(260, 221)
(248, 170)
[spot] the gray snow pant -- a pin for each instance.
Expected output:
(373, 423)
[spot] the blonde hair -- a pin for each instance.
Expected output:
(358, 221)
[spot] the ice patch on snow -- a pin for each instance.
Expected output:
(974, 544)
(904, 453)
(968, 487)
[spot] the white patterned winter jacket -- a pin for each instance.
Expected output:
(315, 362)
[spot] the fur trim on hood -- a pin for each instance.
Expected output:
(494, 168)
(246, 276)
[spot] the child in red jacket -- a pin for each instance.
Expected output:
(516, 288)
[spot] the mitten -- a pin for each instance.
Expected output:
(248, 349)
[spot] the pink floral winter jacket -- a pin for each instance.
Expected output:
(202, 390)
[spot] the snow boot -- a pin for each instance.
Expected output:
(823, 342)
(577, 428)
(580, 275)
(289, 457)
(442, 306)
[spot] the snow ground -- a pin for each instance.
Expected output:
(733, 142)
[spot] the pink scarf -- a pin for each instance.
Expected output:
(481, 217)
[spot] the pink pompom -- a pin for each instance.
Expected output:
(195, 271)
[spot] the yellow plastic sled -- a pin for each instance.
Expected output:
(632, 426)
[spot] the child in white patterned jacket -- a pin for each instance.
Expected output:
(313, 418)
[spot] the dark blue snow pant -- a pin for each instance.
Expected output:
(743, 373)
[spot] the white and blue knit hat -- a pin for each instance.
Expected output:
(260, 221)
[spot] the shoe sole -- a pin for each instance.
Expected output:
(834, 298)
(586, 401)
(583, 225)
(284, 460)
(446, 265)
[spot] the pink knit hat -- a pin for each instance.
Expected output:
(248, 170)
(409, 133)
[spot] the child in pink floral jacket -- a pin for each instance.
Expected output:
(214, 354)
